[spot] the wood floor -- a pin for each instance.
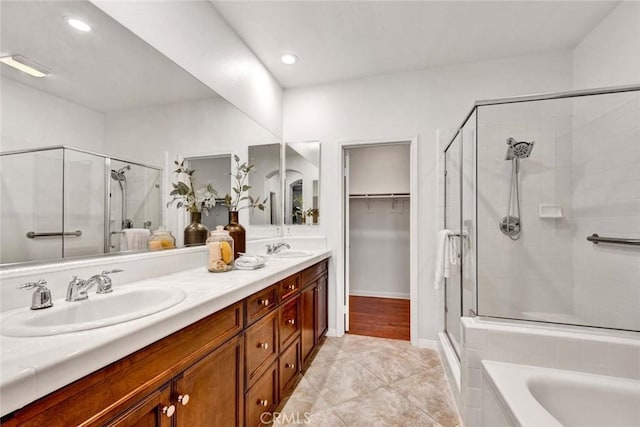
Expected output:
(379, 317)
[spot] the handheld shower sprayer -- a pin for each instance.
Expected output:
(511, 224)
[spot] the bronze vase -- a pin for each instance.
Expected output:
(196, 233)
(237, 233)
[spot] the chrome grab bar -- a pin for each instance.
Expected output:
(614, 240)
(34, 235)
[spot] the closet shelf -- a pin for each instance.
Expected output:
(380, 196)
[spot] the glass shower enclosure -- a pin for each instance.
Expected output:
(60, 202)
(543, 199)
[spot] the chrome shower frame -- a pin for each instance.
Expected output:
(107, 179)
(468, 118)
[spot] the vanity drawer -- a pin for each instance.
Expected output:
(289, 366)
(308, 275)
(289, 287)
(261, 346)
(262, 397)
(289, 321)
(261, 303)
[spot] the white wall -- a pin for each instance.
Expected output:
(610, 54)
(33, 119)
(196, 37)
(402, 105)
(381, 169)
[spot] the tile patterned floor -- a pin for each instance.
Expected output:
(365, 381)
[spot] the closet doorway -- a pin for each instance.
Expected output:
(378, 218)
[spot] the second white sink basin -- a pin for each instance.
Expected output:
(98, 311)
(291, 254)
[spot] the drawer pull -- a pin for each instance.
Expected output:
(264, 403)
(184, 399)
(291, 287)
(291, 321)
(264, 345)
(290, 365)
(169, 410)
(264, 302)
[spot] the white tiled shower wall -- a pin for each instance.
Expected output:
(606, 200)
(536, 346)
(533, 273)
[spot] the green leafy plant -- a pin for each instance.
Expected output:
(184, 195)
(241, 189)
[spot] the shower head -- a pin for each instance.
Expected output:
(518, 149)
(118, 175)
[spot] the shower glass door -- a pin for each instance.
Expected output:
(84, 188)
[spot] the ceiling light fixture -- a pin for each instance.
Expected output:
(25, 65)
(289, 59)
(79, 25)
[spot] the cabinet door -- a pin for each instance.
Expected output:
(214, 387)
(308, 308)
(289, 321)
(154, 411)
(321, 308)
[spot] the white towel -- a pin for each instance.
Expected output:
(134, 239)
(442, 258)
(249, 261)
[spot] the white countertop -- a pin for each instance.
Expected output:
(36, 366)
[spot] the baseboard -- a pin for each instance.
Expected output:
(375, 294)
(430, 344)
(452, 364)
(332, 332)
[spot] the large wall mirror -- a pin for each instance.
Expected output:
(123, 112)
(302, 183)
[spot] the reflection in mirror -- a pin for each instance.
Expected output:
(265, 182)
(213, 170)
(107, 91)
(302, 160)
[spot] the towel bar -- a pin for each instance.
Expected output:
(595, 238)
(34, 235)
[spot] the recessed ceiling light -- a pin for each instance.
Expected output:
(25, 65)
(79, 25)
(289, 59)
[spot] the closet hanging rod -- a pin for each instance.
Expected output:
(380, 196)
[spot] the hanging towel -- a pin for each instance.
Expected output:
(134, 239)
(442, 258)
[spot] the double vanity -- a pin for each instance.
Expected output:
(217, 349)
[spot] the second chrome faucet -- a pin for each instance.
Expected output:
(78, 288)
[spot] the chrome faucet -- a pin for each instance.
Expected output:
(78, 288)
(276, 247)
(41, 296)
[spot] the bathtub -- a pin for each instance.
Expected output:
(541, 397)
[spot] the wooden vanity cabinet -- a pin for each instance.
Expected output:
(207, 393)
(224, 370)
(147, 413)
(314, 308)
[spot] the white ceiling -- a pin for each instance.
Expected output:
(338, 40)
(107, 69)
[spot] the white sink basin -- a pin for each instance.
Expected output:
(96, 312)
(291, 254)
